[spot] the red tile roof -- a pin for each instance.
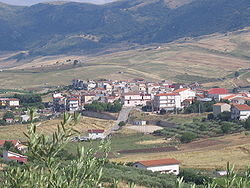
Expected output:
(219, 104)
(218, 91)
(95, 131)
(159, 162)
(230, 97)
(242, 107)
(19, 159)
(180, 90)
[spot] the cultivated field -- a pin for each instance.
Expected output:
(207, 154)
(48, 127)
(205, 59)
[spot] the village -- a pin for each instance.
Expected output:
(121, 98)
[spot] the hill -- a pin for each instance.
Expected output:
(211, 60)
(48, 29)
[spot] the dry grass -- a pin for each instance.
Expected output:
(48, 127)
(232, 148)
(152, 142)
(210, 57)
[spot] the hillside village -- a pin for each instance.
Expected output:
(107, 96)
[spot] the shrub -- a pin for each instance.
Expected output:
(247, 124)
(8, 115)
(121, 124)
(187, 137)
(224, 116)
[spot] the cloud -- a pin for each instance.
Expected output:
(32, 2)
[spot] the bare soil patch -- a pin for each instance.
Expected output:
(149, 150)
(202, 144)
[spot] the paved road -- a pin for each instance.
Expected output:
(123, 116)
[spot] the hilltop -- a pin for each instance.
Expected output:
(49, 29)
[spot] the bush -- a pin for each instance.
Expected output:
(121, 124)
(224, 116)
(163, 111)
(104, 107)
(8, 115)
(190, 175)
(247, 124)
(210, 116)
(187, 137)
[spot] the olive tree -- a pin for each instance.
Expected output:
(45, 170)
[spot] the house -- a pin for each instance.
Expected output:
(88, 98)
(16, 143)
(24, 118)
(240, 111)
(13, 102)
(240, 100)
(221, 107)
(139, 122)
(96, 134)
(217, 93)
(167, 101)
(185, 93)
(9, 120)
(135, 99)
(11, 156)
(72, 104)
(163, 166)
(9, 102)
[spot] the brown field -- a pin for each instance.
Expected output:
(48, 127)
(206, 154)
(209, 57)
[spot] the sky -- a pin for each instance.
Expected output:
(32, 2)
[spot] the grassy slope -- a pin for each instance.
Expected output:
(47, 127)
(203, 59)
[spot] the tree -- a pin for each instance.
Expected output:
(8, 145)
(8, 115)
(224, 116)
(210, 116)
(247, 124)
(45, 169)
(187, 137)
(236, 74)
(163, 111)
(226, 128)
(121, 124)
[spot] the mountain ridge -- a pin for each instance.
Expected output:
(48, 29)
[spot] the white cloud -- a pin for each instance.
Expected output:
(32, 2)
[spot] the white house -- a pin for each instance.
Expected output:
(96, 134)
(12, 102)
(167, 101)
(24, 118)
(240, 111)
(73, 104)
(139, 122)
(221, 107)
(11, 156)
(135, 99)
(163, 166)
(185, 93)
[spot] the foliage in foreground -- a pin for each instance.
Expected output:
(45, 169)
